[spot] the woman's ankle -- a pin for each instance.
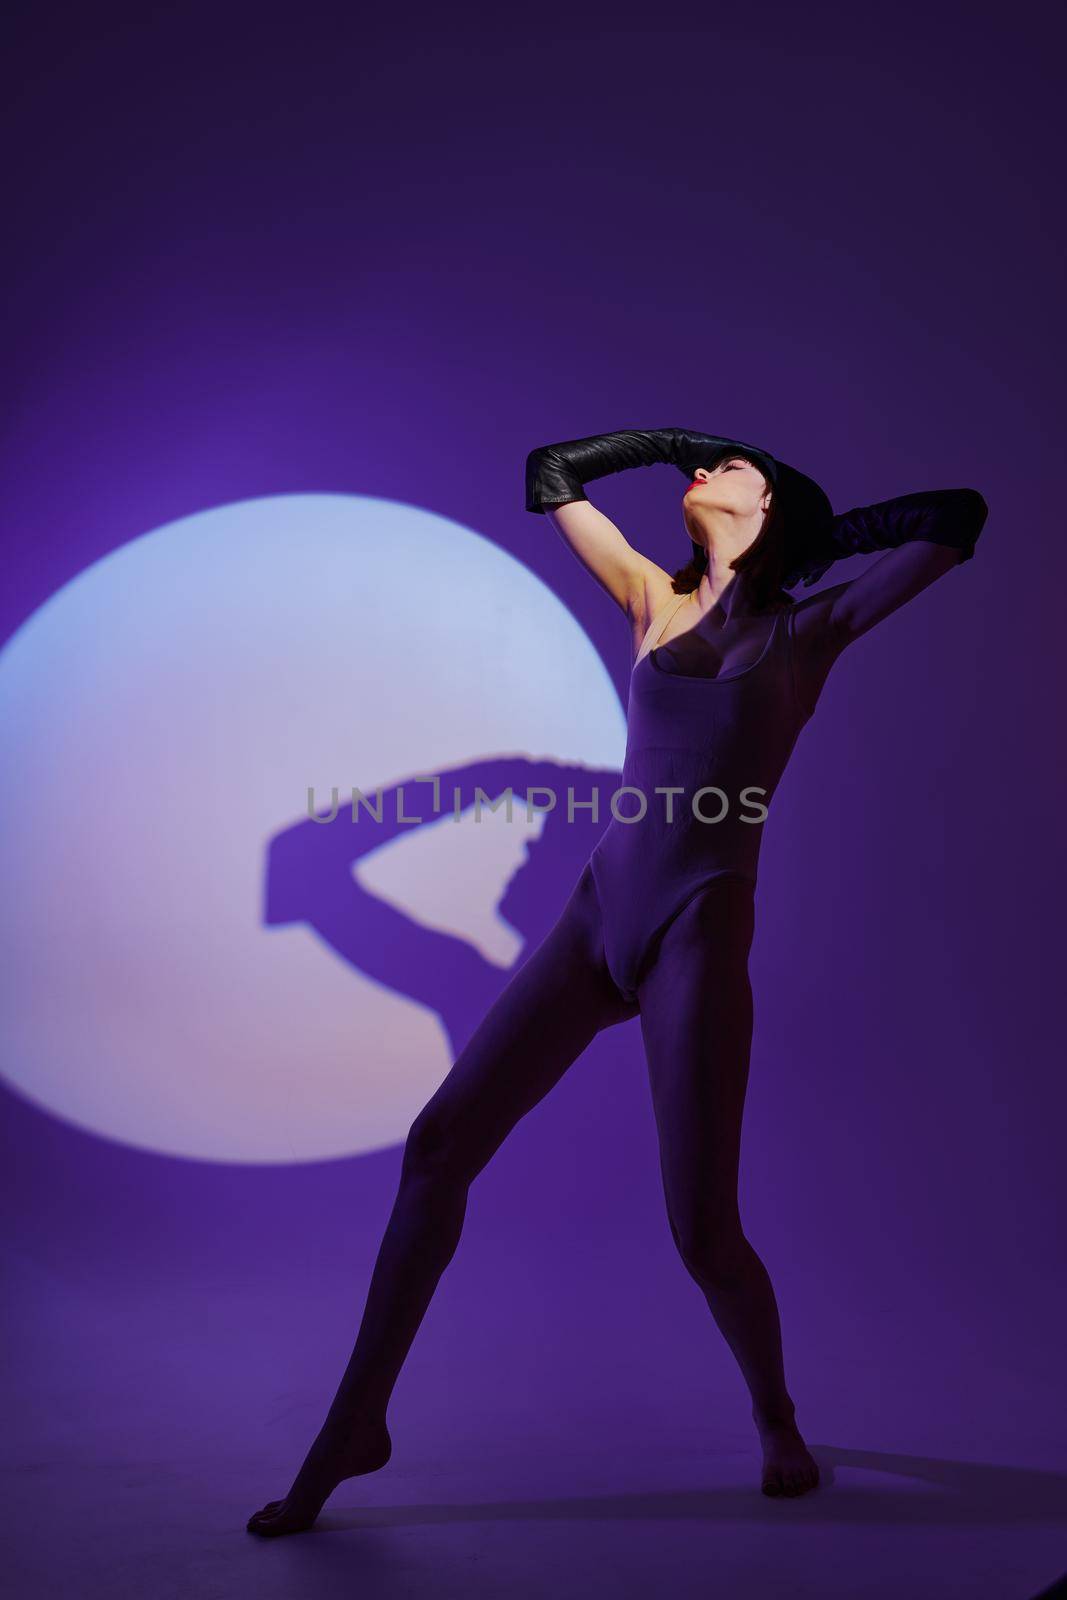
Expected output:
(355, 1413)
(780, 1414)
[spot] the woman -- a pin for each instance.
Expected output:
(728, 668)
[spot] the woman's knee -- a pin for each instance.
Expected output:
(452, 1139)
(716, 1253)
(432, 1149)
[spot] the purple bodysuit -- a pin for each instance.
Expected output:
(730, 735)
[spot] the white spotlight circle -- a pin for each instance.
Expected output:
(163, 715)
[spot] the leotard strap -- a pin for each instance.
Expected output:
(659, 622)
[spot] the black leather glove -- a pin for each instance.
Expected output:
(555, 473)
(953, 517)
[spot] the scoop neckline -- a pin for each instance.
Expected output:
(722, 677)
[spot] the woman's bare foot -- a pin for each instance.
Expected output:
(343, 1449)
(789, 1468)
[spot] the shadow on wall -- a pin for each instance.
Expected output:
(309, 879)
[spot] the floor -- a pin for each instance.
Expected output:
(147, 1425)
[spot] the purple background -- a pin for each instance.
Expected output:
(266, 253)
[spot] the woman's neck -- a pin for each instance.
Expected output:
(724, 593)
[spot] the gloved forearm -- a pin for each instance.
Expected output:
(555, 473)
(953, 517)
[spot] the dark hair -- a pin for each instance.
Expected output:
(763, 563)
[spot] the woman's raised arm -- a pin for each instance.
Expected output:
(555, 475)
(606, 554)
(925, 535)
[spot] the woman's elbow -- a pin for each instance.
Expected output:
(969, 517)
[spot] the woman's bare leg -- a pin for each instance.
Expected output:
(696, 1021)
(542, 1020)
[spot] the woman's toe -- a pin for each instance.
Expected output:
(265, 1513)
